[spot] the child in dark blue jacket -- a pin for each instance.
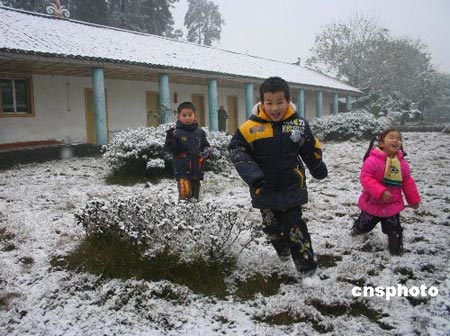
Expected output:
(269, 151)
(189, 147)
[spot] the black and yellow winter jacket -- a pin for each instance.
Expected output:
(189, 147)
(271, 154)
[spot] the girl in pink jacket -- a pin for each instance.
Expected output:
(384, 175)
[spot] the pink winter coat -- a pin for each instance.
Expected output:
(372, 176)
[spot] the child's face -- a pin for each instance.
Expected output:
(391, 143)
(275, 105)
(186, 116)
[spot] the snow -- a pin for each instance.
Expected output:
(22, 32)
(37, 207)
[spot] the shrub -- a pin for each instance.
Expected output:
(141, 151)
(344, 126)
(191, 230)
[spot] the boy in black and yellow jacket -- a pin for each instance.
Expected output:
(268, 151)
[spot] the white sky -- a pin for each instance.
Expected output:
(285, 29)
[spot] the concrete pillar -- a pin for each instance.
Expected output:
(348, 102)
(212, 104)
(248, 99)
(164, 99)
(98, 90)
(319, 109)
(301, 103)
(335, 103)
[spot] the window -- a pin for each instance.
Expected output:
(15, 97)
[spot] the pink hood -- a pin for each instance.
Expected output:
(372, 176)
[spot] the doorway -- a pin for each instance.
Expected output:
(232, 106)
(199, 102)
(152, 107)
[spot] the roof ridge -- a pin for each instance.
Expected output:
(52, 17)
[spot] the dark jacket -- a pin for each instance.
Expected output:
(271, 155)
(189, 148)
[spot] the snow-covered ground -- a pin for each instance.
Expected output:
(37, 206)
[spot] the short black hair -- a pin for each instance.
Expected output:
(185, 105)
(274, 84)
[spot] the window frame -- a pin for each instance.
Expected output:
(30, 100)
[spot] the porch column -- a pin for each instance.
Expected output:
(98, 92)
(164, 107)
(248, 99)
(301, 103)
(212, 104)
(319, 110)
(348, 102)
(336, 103)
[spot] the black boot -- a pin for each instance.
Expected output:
(395, 242)
(305, 266)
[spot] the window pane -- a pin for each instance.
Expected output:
(7, 95)
(20, 86)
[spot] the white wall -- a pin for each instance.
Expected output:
(59, 104)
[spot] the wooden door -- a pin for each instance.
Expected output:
(232, 110)
(199, 102)
(90, 117)
(152, 106)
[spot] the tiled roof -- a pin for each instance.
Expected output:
(31, 33)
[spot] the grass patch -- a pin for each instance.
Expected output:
(289, 318)
(356, 282)
(361, 309)
(336, 309)
(328, 260)
(114, 258)
(246, 290)
(129, 177)
(6, 299)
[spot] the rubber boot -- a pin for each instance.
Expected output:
(395, 242)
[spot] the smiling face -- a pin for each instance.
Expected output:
(391, 143)
(186, 116)
(275, 105)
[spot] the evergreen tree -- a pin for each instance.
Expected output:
(368, 57)
(203, 22)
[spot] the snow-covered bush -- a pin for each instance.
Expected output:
(357, 124)
(189, 229)
(141, 151)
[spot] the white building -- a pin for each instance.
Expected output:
(76, 82)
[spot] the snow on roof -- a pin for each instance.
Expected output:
(25, 32)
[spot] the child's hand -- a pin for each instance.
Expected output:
(386, 196)
(205, 154)
(415, 206)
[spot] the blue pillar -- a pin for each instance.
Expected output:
(248, 99)
(212, 104)
(336, 103)
(301, 103)
(98, 90)
(319, 110)
(348, 102)
(164, 105)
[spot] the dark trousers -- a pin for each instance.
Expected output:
(289, 235)
(389, 225)
(188, 189)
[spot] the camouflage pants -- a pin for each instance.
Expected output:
(289, 235)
